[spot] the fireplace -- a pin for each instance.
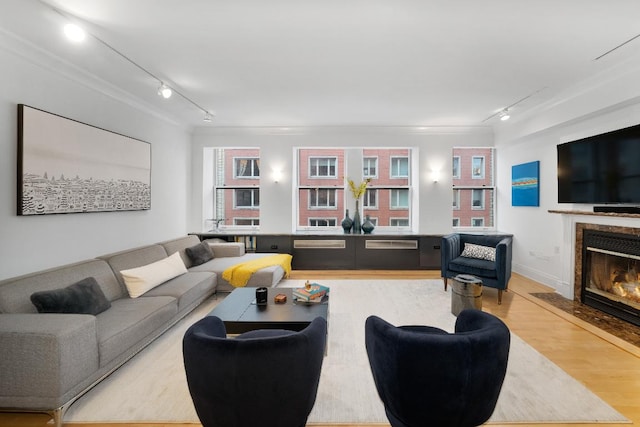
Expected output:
(610, 278)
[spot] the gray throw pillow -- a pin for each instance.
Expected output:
(83, 297)
(199, 254)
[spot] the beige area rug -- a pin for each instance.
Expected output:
(152, 386)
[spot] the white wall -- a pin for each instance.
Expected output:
(30, 243)
(277, 152)
(544, 242)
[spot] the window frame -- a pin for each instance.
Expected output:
(255, 166)
(255, 222)
(455, 167)
(328, 206)
(366, 168)
(392, 165)
(482, 199)
(391, 198)
(328, 176)
(393, 219)
(367, 196)
(328, 219)
(483, 167)
(253, 190)
(480, 219)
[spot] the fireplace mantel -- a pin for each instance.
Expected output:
(590, 213)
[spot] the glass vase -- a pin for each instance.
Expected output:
(357, 224)
(347, 223)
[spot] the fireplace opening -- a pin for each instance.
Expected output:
(611, 274)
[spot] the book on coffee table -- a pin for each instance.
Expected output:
(313, 293)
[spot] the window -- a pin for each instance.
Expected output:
(253, 222)
(399, 199)
(399, 222)
(456, 167)
(322, 198)
(246, 168)
(399, 167)
(477, 167)
(322, 222)
(370, 199)
(323, 192)
(322, 167)
(247, 198)
(456, 222)
(473, 187)
(370, 167)
(234, 174)
(477, 199)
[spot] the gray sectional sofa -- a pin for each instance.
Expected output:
(48, 360)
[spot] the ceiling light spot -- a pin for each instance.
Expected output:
(74, 33)
(165, 91)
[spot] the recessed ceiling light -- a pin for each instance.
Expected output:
(74, 33)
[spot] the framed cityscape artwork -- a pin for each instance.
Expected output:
(65, 166)
(525, 184)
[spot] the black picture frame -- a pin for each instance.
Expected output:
(66, 166)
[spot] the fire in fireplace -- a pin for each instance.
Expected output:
(611, 273)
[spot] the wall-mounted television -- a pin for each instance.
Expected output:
(602, 168)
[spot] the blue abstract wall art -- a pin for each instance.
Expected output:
(525, 184)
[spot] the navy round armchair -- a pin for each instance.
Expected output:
(265, 378)
(428, 377)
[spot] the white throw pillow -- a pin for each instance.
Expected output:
(142, 279)
(479, 251)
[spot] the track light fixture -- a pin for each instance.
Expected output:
(504, 115)
(165, 91)
(76, 33)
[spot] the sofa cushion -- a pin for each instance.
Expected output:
(473, 266)
(189, 289)
(131, 323)
(478, 251)
(142, 279)
(83, 297)
(199, 254)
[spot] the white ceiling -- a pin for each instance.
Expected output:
(337, 62)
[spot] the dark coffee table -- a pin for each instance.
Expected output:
(240, 313)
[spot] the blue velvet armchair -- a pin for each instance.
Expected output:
(494, 274)
(266, 378)
(428, 377)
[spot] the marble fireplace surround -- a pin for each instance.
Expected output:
(580, 227)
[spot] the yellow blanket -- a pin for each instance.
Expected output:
(238, 275)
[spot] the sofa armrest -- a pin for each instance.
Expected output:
(450, 249)
(43, 356)
(503, 259)
(230, 249)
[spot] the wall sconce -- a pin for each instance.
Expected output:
(435, 175)
(277, 175)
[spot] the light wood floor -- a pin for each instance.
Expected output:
(606, 365)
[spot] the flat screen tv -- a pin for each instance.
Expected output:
(603, 168)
